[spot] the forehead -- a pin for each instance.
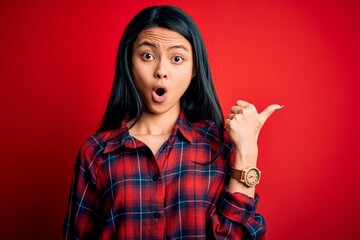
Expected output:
(162, 36)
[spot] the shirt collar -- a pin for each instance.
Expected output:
(183, 127)
(121, 136)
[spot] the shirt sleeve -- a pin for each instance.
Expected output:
(235, 218)
(234, 215)
(81, 218)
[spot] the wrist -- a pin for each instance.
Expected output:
(249, 176)
(246, 150)
(245, 159)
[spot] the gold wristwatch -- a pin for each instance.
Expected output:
(249, 176)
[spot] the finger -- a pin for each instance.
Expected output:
(227, 124)
(236, 109)
(231, 116)
(264, 115)
(242, 103)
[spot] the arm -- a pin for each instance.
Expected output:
(244, 125)
(235, 215)
(235, 218)
(81, 215)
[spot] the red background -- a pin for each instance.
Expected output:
(57, 66)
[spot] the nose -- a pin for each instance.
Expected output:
(160, 71)
(160, 75)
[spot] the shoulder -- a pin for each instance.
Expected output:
(214, 135)
(210, 131)
(206, 129)
(95, 144)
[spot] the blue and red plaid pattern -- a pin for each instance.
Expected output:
(120, 190)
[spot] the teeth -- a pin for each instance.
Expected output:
(160, 91)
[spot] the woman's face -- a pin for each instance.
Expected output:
(162, 68)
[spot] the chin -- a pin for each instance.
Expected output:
(161, 109)
(158, 111)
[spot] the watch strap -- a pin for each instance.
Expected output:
(236, 173)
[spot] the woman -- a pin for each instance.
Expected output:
(161, 165)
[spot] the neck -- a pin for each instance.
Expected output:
(155, 124)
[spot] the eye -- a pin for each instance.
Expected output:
(147, 56)
(177, 59)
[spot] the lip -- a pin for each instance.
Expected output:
(155, 94)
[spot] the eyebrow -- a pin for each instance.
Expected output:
(153, 45)
(179, 46)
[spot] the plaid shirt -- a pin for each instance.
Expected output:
(120, 190)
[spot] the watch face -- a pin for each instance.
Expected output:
(252, 177)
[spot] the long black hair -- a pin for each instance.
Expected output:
(199, 102)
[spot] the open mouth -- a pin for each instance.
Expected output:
(159, 94)
(160, 91)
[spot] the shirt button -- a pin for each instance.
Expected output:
(155, 178)
(156, 215)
